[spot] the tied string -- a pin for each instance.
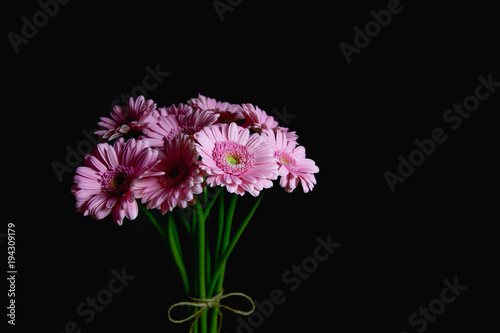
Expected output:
(208, 303)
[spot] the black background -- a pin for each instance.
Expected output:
(354, 120)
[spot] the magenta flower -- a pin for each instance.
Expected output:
(181, 109)
(106, 184)
(227, 112)
(233, 158)
(294, 167)
(174, 181)
(122, 122)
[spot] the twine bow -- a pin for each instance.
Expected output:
(208, 303)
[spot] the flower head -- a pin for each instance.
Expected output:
(227, 112)
(234, 158)
(106, 184)
(294, 167)
(174, 181)
(179, 110)
(165, 128)
(258, 119)
(171, 126)
(122, 122)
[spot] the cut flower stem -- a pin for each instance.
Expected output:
(210, 257)
(222, 262)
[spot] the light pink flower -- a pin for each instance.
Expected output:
(174, 181)
(294, 167)
(233, 158)
(171, 126)
(260, 122)
(257, 119)
(290, 135)
(166, 128)
(195, 122)
(106, 184)
(124, 121)
(227, 112)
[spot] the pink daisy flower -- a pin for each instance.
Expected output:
(260, 122)
(227, 112)
(166, 128)
(173, 110)
(124, 121)
(294, 167)
(171, 126)
(106, 184)
(257, 119)
(174, 181)
(290, 135)
(234, 158)
(179, 110)
(195, 122)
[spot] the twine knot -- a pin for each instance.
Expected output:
(207, 303)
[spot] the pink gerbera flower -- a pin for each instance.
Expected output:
(227, 112)
(257, 119)
(294, 167)
(106, 184)
(174, 181)
(179, 110)
(124, 121)
(171, 126)
(166, 128)
(233, 158)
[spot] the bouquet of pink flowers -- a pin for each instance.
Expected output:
(169, 158)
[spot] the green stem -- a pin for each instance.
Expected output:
(218, 249)
(229, 222)
(152, 218)
(206, 211)
(220, 230)
(173, 240)
(208, 261)
(215, 314)
(200, 236)
(184, 221)
(194, 222)
(221, 266)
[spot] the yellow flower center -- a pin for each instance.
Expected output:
(286, 159)
(234, 160)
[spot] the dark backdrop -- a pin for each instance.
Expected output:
(354, 119)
